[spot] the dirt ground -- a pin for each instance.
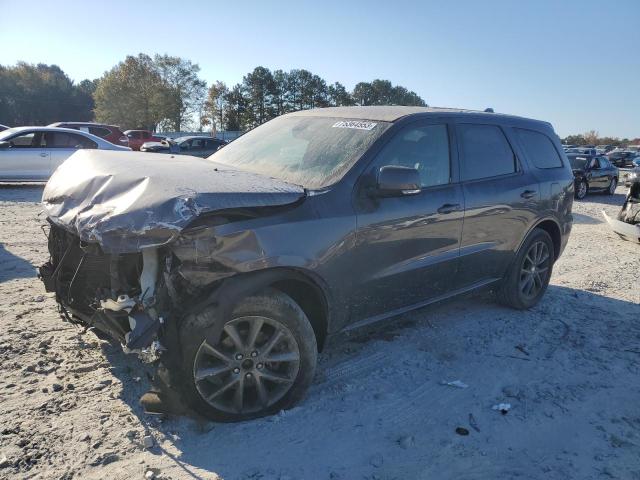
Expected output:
(569, 369)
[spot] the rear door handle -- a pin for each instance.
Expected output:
(43, 154)
(528, 194)
(449, 208)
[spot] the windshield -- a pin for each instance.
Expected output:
(313, 152)
(578, 163)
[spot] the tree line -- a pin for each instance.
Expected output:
(592, 137)
(166, 93)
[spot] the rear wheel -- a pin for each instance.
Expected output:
(612, 186)
(528, 276)
(259, 361)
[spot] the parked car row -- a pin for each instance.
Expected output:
(620, 157)
(198, 146)
(33, 153)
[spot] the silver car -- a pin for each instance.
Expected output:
(31, 154)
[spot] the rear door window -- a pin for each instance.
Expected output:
(68, 140)
(485, 152)
(539, 149)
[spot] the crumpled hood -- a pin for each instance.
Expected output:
(126, 201)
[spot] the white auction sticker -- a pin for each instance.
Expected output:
(355, 124)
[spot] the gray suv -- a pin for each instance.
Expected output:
(231, 271)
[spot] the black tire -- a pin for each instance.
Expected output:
(281, 318)
(612, 186)
(512, 291)
(582, 188)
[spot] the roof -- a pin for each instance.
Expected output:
(48, 129)
(92, 124)
(394, 113)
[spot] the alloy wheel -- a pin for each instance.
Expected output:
(535, 269)
(252, 365)
(582, 189)
(612, 186)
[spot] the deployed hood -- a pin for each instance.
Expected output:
(126, 201)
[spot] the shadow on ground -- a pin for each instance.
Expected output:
(378, 385)
(20, 193)
(12, 266)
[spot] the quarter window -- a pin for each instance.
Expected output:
(425, 148)
(485, 151)
(26, 140)
(539, 149)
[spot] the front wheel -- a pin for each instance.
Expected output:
(257, 362)
(529, 275)
(581, 189)
(612, 186)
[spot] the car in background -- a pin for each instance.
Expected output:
(31, 154)
(634, 174)
(110, 133)
(3, 127)
(138, 137)
(197, 146)
(593, 174)
(621, 158)
(604, 148)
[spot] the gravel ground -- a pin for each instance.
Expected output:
(377, 410)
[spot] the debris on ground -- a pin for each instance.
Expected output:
(147, 442)
(462, 431)
(473, 423)
(503, 408)
(455, 383)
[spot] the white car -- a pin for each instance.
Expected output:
(31, 154)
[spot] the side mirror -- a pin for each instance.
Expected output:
(5, 145)
(395, 181)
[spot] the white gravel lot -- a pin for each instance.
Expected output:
(377, 410)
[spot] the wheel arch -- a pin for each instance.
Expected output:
(552, 227)
(303, 287)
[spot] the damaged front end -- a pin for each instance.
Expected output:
(627, 225)
(122, 295)
(116, 234)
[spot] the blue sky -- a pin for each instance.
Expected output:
(574, 63)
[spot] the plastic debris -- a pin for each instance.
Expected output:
(503, 408)
(473, 423)
(455, 383)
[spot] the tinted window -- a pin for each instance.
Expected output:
(135, 135)
(99, 131)
(197, 144)
(539, 149)
(425, 148)
(67, 140)
(486, 152)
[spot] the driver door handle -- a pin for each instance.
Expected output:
(528, 194)
(449, 208)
